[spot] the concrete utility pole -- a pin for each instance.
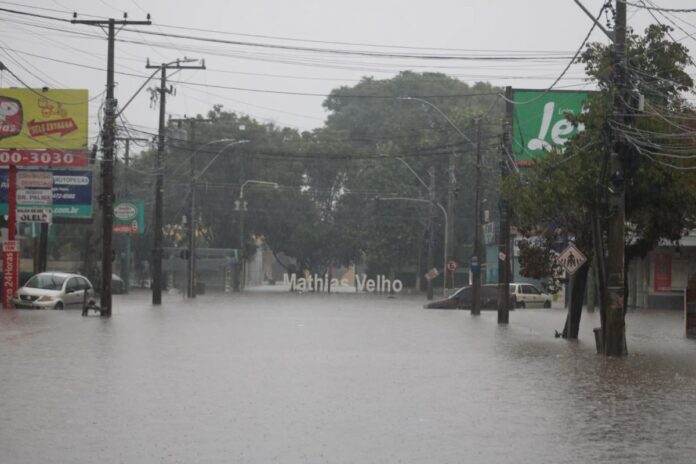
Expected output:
(191, 222)
(504, 249)
(159, 172)
(614, 334)
(431, 213)
(126, 263)
(107, 165)
(476, 263)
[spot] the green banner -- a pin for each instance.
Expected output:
(129, 217)
(539, 121)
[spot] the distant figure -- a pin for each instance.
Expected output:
(570, 260)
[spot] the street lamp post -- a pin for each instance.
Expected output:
(240, 205)
(191, 262)
(444, 213)
(431, 195)
(476, 301)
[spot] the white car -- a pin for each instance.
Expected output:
(527, 295)
(56, 290)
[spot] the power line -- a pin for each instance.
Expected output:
(657, 8)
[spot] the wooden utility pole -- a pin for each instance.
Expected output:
(107, 165)
(504, 249)
(451, 195)
(477, 258)
(614, 329)
(158, 239)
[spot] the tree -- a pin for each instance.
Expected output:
(568, 191)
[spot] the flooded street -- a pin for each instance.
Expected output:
(277, 377)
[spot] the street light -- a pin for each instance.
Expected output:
(191, 262)
(444, 212)
(476, 300)
(240, 205)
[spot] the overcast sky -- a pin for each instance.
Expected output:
(51, 53)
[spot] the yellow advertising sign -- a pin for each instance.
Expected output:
(41, 120)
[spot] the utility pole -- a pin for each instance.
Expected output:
(126, 263)
(477, 258)
(614, 336)
(451, 194)
(431, 197)
(107, 165)
(159, 173)
(504, 232)
(191, 220)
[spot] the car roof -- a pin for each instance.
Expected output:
(59, 274)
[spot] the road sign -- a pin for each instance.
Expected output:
(452, 265)
(35, 215)
(571, 259)
(431, 274)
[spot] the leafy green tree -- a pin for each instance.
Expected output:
(567, 193)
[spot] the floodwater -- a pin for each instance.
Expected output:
(302, 378)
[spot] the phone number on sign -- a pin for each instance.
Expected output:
(42, 158)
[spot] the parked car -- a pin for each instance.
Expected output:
(527, 295)
(462, 298)
(57, 290)
(118, 286)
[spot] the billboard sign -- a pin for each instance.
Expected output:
(71, 194)
(540, 124)
(129, 217)
(43, 127)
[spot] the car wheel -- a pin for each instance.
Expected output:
(58, 305)
(547, 304)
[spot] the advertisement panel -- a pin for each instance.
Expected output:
(539, 122)
(43, 127)
(10, 271)
(71, 194)
(129, 217)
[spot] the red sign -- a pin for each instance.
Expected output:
(57, 126)
(54, 158)
(663, 272)
(126, 228)
(10, 117)
(10, 276)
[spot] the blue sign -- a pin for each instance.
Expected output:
(72, 193)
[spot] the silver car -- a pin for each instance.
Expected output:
(57, 290)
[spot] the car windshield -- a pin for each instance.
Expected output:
(46, 282)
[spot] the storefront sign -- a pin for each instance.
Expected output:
(36, 119)
(71, 194)
(35, 215)
(10, 271)
(129, 217)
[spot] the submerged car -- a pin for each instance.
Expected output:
(462, 299)
(56, 290)
(118, 286)
(527, 296)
